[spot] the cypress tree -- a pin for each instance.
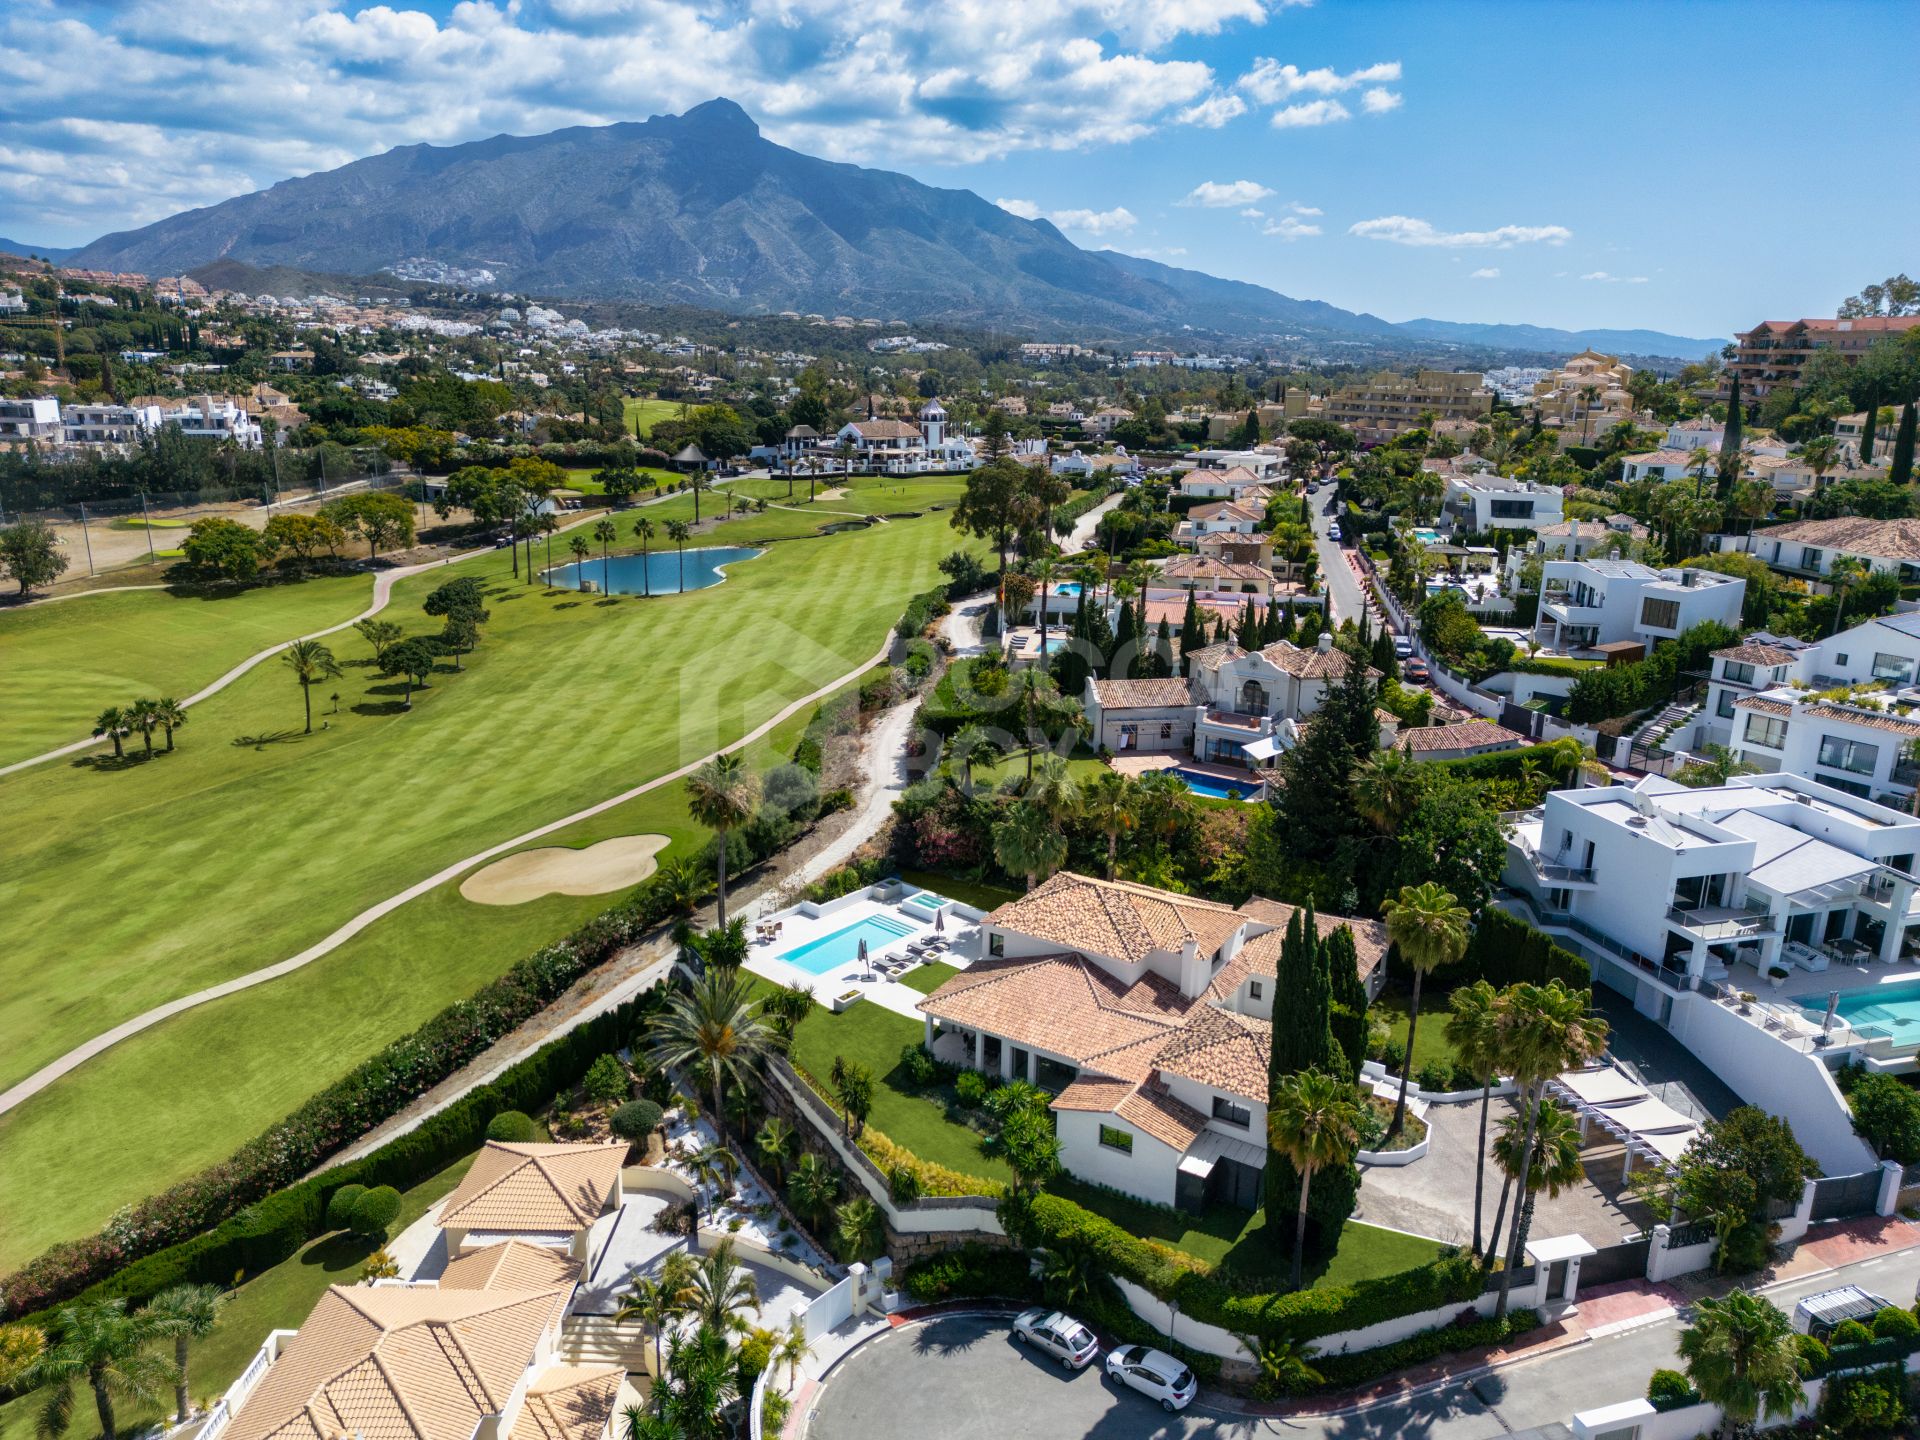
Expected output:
(1866, 434)
(1248, 637)
(1348, 1017)
(1302, 1040)
(1306, 512)
(1190, 637)
(1070, 667)
(1730, 441)
(1270, 629)
(1163, 651)
(1901, 470)
(1122, 667)
(1220, 632)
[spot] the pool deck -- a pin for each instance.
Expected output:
(797, 928)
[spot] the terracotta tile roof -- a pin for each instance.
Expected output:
(1840, 714)
(1064, 1004)
(569, 1402)
(1756, 654)
(1141, 694)
(1206, 567)
(1154, 1109)
(511, 1265)
(1225, 510)
(1112, 917)
(399, 1363)
(1212, 657)
(1308, 664)
(886, 430)
(1855, 534)
(1099, 1095)
(1219, 1048)
(1385, 716)
(1470, 735)
(543, 1188)
(1260, 954)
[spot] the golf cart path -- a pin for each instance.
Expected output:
(80, 1054)
(383, 583)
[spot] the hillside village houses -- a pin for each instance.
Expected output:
(1149, 1015)
(1378, 409)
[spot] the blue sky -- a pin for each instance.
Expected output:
(1688, 167)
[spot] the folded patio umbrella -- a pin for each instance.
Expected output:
(940, 921)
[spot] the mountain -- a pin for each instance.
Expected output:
(1538, 337)
(20, 247)
(699, 209)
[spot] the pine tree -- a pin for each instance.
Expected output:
(1901, 466)
(1190, 637)
(1730, 441)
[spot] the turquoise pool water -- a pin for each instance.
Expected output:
(1427, 537)
(1213, 787)
(664, 572)
(928, 901)
(1890, 1010)
(842, 946)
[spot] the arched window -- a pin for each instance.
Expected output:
(1253, 698)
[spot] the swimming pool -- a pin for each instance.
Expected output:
(1890, 1010)
(1212, 786)
(842, 946)
(927, 902)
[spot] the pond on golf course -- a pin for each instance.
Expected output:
(659, 572)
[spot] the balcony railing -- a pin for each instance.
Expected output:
(1236, 719)
(1722, 922)
(1554, 871)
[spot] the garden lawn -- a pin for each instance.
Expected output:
(867, 495)
(279, 1298)
(1237, 1241)
(929, 977)
(225, 857)
(968, 892)
(1431, 1043)
(61, 664)
(919, 1121)
(580, 478)
(645, 412)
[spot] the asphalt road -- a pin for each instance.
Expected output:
(1343, 588)
(961, 1377)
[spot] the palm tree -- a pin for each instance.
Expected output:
(1385, 787)
(1054, 789)
(862, 1235)
(579, 549)
(1843, 574)
(1473, 1032)
(95, 1343)
(1544, 1030)
(144, 716)
(170, 715)
(1429, 927)
(793, 1348)
(680, 532)
(711, 1167)
(1285, 1365)
(713, 1025)
(1043, 586)
(548, 525)
(1314, 1121)
(185, 1312)
(1110, 806)
(775, 1144)
(311, 662)
(1820, 454)
(973, 746)
(606, 532)
(682, 884)
(692, 1395)
(111, 724)
(723, 1293)
(1556, 1150)
(1740, 1355)
(650, 1301)
(1700, 462)
(1028, 843)
(813, 1187)
(721, 795)
(643, 532)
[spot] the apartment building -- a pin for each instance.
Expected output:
(1589, 603)
(1584, 398)
(1776, 352)
(1387, 405)
(1477, 503)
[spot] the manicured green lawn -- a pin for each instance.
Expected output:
(647, 411)
(870, 495)
(967, 892)
(276, 1299)
(580, 477)
(127, 887)
(929, 977)
(1013, 767)
(1430, 1045)
(875, 1037)
(61, 664)
(1237, 1241)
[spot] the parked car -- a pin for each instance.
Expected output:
(1155, 1374)
(1416, 670)
(1059, 1335)
(1333, 532)
(1402, 646)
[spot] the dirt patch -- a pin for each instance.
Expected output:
(556, 870)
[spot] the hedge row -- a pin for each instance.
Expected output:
(1065, 515)
(922, 610)
(1505, 950)
(373, 1091)
(1343, 1372)
(1299, 1315)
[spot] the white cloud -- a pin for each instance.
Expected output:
(1214, 111)
(1288, 228)
(1486, 272)
(1253, 212)
(1297, 208)
(1310, 112)
(1378, 101)
(322, 82)
(1607, 279)
(1092, 222)
(1405, 230)
(1222, 194)
(1270, 83)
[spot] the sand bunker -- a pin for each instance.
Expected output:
(611, 865)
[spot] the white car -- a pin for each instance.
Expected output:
(1155, 1374)
(1059, 1335)
(1333, 533)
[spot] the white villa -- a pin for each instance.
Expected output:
(1149, 1016)
(1809, 547)
(1482, 502)
(897, 447)
(1588, 603)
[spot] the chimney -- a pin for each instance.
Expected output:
(1325, 642)
(1195, 970)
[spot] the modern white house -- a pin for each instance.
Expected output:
(1809, 547)
(1588, 603)
(34, 419)
(1663, 464)
(1480, 502)
(214, 417)
(1700, 433)
(1148, 1015)
(1864, 747)
(1758, 663)
(107, 424)
(1220, 517)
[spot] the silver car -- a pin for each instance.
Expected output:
(1155, 1374)
(1061, 1336)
